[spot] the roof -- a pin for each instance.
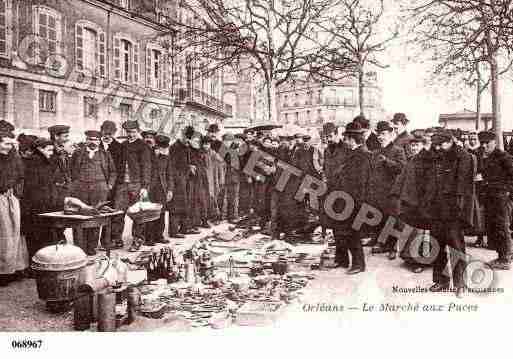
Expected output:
(466, 114)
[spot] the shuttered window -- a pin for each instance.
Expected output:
(126, 60)
(90, 50)
(157, 68)
(48, 27)
(47, 101)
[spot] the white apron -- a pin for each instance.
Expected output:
(13, 248)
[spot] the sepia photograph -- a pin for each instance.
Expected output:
(255, 175)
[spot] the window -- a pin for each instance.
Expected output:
(5, 19)
(157, 70)
(3, 102)
(124, 3)
(90, 107)
(285, 101)
(48, 27)
(125, 111)
(47, 101)
(90, 49)
(155, 113)
(309, 94)
(319, 96)
(126, 60)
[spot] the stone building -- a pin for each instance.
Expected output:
(311, 103)
(80, 62)
(466, 120)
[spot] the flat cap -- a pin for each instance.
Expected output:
(130, 125)
(162, 141)
(146, 133)
(93, 134)
(4, 134)
(58, 129)
(486, 136)
(441, 136)
(384, 126)
(26, 141)
(214, 128)
(364, 123)
(109, 126)
(42, 142)
(6, 126)
(307, 138)
(329, 128)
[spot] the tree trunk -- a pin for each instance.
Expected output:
(361, 98)
(496, 108)
(478, 102)
(271, 101)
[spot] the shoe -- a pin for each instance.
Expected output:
(417, 269)
(460, 292)
(500, 265)
(392, 255)
(355, 270)
(6, 279)
(342, 265)
(204, 225)
(379, 249)
(162, 240)
(177, 235)
(438, 287)
(91, 252)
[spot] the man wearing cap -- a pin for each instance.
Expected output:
(133, 180)
(213, 134)
(93, 175)
(6, 127)
(353, 178)
(161, 189)
(230, 192)
(149, 137)
(248, 186)
(496, 169)
(388, 162)
(403, 137)
(13, 249)
(449, 202)
(109, 143)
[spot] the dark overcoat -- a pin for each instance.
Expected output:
(403, 140)
(179, 156)
(162, 179)
(384, 174)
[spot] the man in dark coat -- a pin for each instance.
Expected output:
(371, 139)
(387, 163)
(230, 192)
(496, 168)
(247, 192)
(450, 204)
(180, 208)
(39, 195)
(93, 175)
(161, 188)
(403, 139)
(352, 176)
(133, 181)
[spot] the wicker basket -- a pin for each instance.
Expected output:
(148, 215)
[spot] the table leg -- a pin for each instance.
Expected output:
(108, 236)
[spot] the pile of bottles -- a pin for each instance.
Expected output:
(163, 265)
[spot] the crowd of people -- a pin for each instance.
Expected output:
(442, 183)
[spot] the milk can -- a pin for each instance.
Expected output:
(58, 273)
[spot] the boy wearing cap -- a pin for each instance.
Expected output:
(403, 137)
(496, 169)
(93, 175)
(133, 181)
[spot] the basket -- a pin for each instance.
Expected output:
(147, 215)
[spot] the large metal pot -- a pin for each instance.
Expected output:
(58, 273)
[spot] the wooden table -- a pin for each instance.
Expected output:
(57, 220)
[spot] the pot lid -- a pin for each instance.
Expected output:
(59, 257)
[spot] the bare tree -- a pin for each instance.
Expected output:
(358, 28)
(463, 34)
(279, 37)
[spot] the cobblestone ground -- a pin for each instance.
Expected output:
(333, 299)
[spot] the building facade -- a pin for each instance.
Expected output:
(80, 62)
(466, 121)
(311, 103)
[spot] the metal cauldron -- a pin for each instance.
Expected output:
(58, 271)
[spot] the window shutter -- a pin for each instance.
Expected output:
(135, 75)
(101, 52)
(117, 65)
(149, 67)
(164, 73)
(79, 46)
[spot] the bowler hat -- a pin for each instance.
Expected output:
(6, 134)
(353, 128)
(418, 138)
(384, 126)
(130, 125)
(26, 141)
(109, 127)
(400, 118)
(58, 129)
(93, 134)
(42, 142)
(364, 123)
(307, 138)
(486, 136)
(162, 141)
(329, 128)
